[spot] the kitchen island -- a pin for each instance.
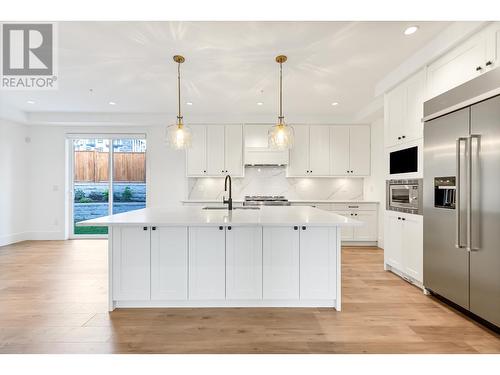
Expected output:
(195, 257)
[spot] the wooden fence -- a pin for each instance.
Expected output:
(93, 166)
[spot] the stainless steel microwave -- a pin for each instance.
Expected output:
(404, 196)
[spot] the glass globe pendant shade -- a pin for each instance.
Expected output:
(178, 136)
(281, 136)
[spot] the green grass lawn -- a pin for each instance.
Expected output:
(91, 230)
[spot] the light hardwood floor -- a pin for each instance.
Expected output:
(53, 300)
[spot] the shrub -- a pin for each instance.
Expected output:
(105, 195)
(96, 196)
(85, 200)
(79, 194)
(127, 194)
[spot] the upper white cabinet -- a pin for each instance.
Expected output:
(310, 155)
(131, 263)
(325, 151)
(216, 150)
(350, 150)
(404, 111)
(460, 65)
(257, 148)
(475, 56)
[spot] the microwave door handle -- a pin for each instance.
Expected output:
(458, 203)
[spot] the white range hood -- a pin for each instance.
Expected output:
(257, 149)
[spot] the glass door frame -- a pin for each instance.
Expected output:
(70, 138)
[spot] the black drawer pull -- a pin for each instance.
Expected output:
(153, 228)
(488, 63)
(221, 228)
(295, 228)
(478, 69)
(304, 227)
(144, 228)
(229, 228)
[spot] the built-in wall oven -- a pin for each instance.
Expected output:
(404, 196)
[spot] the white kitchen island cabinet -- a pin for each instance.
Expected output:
(190, 257)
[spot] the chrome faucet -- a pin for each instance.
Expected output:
(229, 201)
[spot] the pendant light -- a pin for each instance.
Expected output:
(179, 135)
(281, 135)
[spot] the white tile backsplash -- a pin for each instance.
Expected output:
(273, 181)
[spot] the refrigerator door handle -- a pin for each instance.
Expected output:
(470, 139)
(458, 203)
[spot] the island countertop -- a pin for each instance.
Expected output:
(196, 216)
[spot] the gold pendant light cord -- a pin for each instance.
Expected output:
(281, 93)
(179, 117)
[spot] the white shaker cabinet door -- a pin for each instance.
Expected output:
(319, 150)
(131, 263)
(243, 263)
(318, 263)
(233, 150)
(359, 150)
(339, 154)
(215, 150)
(299, 153)
(393, 254)
(197, 153)
(368, 231)
(412, 246)
(169, 263)
(459, 65)
(280, 263)
(207, 263)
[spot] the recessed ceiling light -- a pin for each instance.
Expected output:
(411, 30)
(189, 103)
(335, 103)
(30, 102)
(260, 103)
(112, 103)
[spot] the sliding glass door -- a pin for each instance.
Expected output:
(108, 177)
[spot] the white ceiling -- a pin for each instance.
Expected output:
(229, 67)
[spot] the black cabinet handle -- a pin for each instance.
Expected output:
(295, 228)
(204, 171)
(403, 136)
(399, 137)
(221, 228)
(488, 63)
(144, 228)
(352, 171)
(403, 218)
(399, 218)
(304, 227)
(478, 69)
(153, 228)
(229, 228)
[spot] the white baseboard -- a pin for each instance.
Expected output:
(27, 236)
(46, 236)
(224, 303)
(13, 238)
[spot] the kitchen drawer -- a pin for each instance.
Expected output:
(354, 206)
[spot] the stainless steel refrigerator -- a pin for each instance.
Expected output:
(462, 196)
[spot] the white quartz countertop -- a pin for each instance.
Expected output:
(360, 201)
(196, 216)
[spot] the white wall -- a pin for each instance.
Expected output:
(374, 186)
(14, 154)
(166, 181)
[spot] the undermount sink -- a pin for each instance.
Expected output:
(234, 208)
